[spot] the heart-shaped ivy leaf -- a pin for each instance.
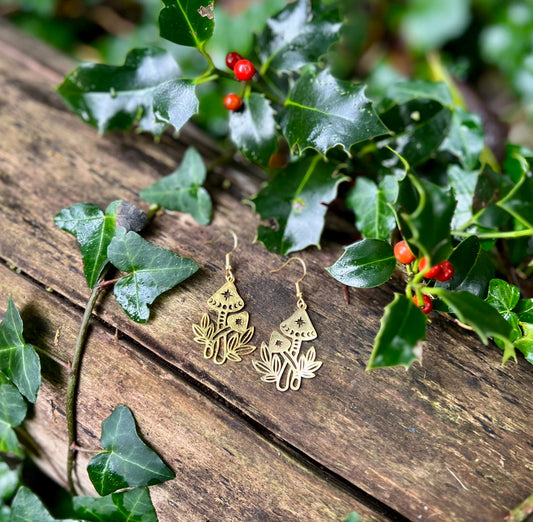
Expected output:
(151, 271)
(322, 112)
(182, 190)
(146, 89)
(403, 326)
(13, 411)
(128, 461)
(133, 505)
(502, 296)
(296, 198)
(27, 507)
(18, 360)
(365, 264)
(187, 22)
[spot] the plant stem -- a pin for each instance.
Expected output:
(496, 235)
(73, 378)
(522, 512)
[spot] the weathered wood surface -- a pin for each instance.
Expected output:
(450, 439)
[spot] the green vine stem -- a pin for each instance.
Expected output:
(73, 380)
(522, 512)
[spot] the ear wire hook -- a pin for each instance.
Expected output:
(229, 275)
(301, 303)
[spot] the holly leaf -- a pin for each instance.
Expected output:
(18, 360)
(296, 37)
(133, 505)
(27, 507)
(145, 90)
(253, 129)
(374, 216)
(322, 112)
(13, 411)
(151, 271)
(296, 199)
(182, 190)
(128, 461)
(94, 230)
(429, 225)
(187, 22)
(365, 264)
(403, 326)
(405, 91)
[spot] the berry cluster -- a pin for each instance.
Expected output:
(244, 71)
(442, 271)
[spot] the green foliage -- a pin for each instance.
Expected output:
(27, 507)
(128, 462)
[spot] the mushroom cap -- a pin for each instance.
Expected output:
(238, 322)
(278, 343)
(299, 326)
(226, 298)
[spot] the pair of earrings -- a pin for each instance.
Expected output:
(228, 338)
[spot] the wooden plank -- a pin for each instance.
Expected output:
(449, 440)
(223, 466)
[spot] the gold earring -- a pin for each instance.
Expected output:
(279, 358)
(228, 337)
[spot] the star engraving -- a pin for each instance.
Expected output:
(238, 321)
(300, 322)
(226, 295)
(278, 343)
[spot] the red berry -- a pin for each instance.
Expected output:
(233, 102)
(232, 58)
(244, 70)
(402, 253)
(446, 271)
(428, 303)
(432, 272)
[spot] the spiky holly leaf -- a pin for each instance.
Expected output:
(182, 190)
(151, 271)
(322, 112)
(296, 199)
(146, 89)
(128, 461)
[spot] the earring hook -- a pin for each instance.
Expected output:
(229, 275)
(299, 294)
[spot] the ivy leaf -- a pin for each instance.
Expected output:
(18, 360)
(94, 230)
(187, 22)
(525, 345)
(464, 184)
(152, 271)
(296, 198)
(481, 316)
(403, 325)
(253, 129)
(524, 309)
(322, 112)
(365, 264)
(128, 461)
(374, 216)
(182, 190)
(430, 224)
(133, 505)
(503, 296)
(27, 507)
(295, 37)
(10, 481)
(145, 90)
(13, 411)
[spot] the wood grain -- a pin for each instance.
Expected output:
(450, 439)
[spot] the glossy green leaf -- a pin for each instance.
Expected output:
(133, 505)
(151, 271)
(374, 216)
(503, 296)
(481, 316)
(405, 91)
(296, 198)
(465, 139)
(296, 37)
(519, 200)
(128, 461)
(365, 264)
(94, 230)
(13, 411)
(525, 345)
(473, 268)
(464, 184)
(403, 326)
(322, 112)
(27, 507)
(146, 89)
(18, 360)
(524, 309)
(187, 22)
(10, 480)
(430, 224)
(253, 129)
(182, 190)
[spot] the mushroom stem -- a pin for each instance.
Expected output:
(221, 321)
